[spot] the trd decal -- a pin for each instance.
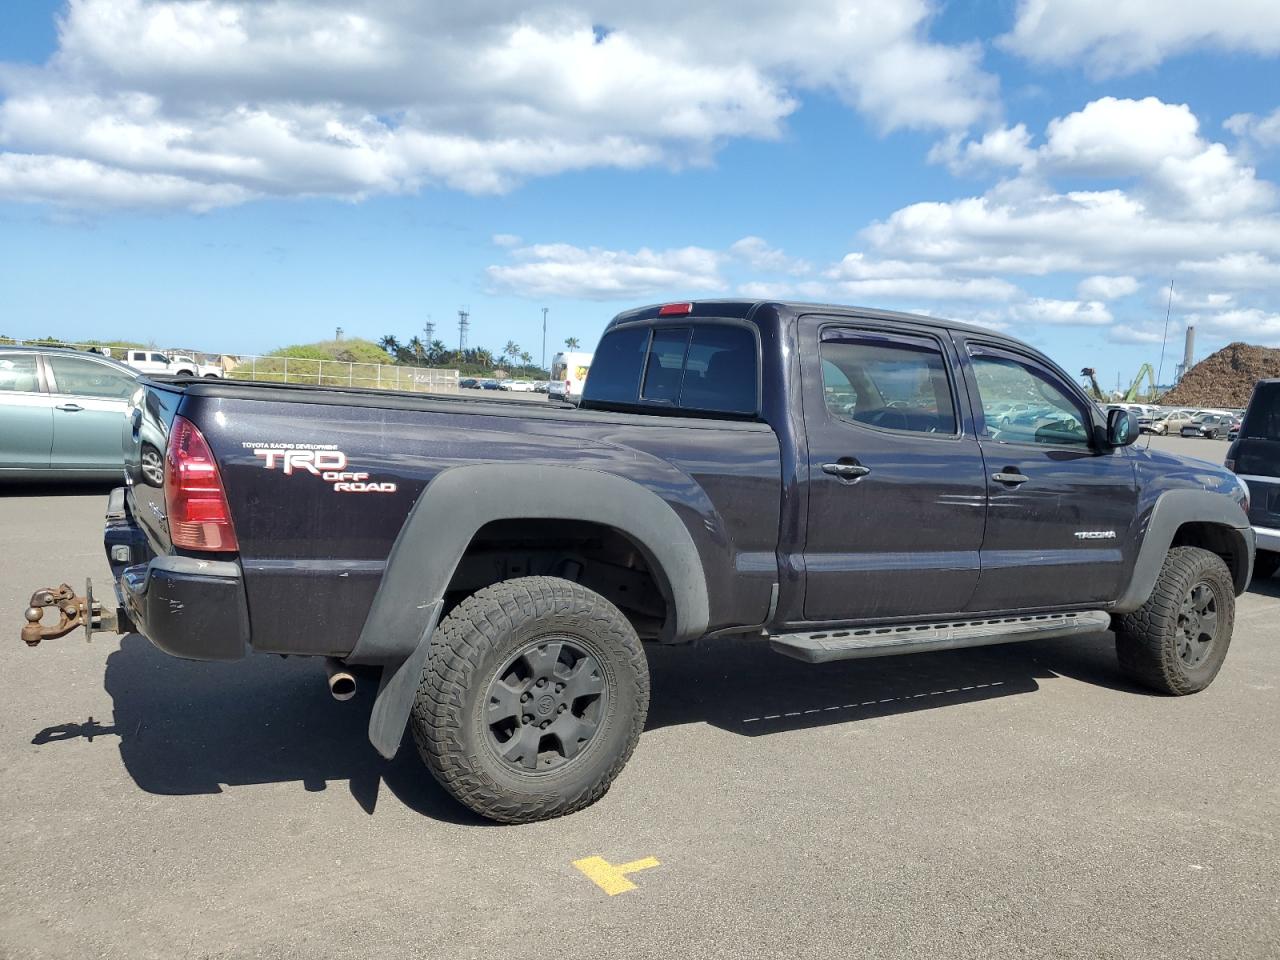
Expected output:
(323, 461)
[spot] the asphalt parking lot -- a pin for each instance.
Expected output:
(1007, 801)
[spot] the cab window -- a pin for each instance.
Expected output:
(1023, 403)
(890, 381)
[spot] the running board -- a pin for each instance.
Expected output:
(857, 642)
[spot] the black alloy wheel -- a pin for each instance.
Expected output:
(545, 704)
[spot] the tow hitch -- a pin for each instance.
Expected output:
(73, 612)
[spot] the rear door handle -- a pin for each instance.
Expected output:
(70, 407)
(1013, 479)
(846, 471)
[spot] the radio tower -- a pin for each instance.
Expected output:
(429, 330)
(464, 321)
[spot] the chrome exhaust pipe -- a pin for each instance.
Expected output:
(342, 682)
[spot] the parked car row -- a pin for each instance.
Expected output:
(513, 386)
(1187, 422)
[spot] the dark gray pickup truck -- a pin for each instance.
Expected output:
(843, 482)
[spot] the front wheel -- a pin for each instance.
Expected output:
(1176, 642)
(532, 700)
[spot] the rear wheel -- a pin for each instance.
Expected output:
(1176, 642)
(532, 700)
(1265, 564)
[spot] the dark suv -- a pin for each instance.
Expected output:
(1255, 457)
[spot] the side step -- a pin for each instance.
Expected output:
(856, 642)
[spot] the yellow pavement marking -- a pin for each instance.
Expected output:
(609, 878)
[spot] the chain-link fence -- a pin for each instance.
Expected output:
(340, 373)
(325, 373)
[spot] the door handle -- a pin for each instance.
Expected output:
(846, 471)
(1009, 477)
(70, 407)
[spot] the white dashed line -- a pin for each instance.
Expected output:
(874, 703)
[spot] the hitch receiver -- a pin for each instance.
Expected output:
(73, 612)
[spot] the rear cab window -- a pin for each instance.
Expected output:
(693, 368)
(1262, 419)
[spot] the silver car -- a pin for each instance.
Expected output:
(62, 414)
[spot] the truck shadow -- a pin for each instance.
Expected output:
(744, 687)
(197, 728)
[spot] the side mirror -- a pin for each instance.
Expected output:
(1122, 428)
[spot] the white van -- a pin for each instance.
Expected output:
(568, 374)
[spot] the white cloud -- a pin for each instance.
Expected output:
(1065, 313)
(766, 290)
(1248, 269)
(756, 252)
(1002, 147)
(220, 101)
(1100, 287)
(1158, 143)
(1265, 131)
(1122, 37)
(929, 288)
(592, 273)
(506, 240)
(1252, 325)
(1142, 336)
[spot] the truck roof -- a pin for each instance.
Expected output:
(743, 309)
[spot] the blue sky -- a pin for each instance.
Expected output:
(233, 177)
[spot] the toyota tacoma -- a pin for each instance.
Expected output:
(833, 480)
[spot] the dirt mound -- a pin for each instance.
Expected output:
(1226, 378)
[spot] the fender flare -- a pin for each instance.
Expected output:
(448, 514)
(1172, 509)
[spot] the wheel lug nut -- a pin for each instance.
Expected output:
(526, 719)
(559, 687)
(526, 697)
(544, 724)
(542, 682)
(561, 709)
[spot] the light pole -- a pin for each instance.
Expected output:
(544, 338)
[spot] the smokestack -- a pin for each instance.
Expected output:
(1188, 356)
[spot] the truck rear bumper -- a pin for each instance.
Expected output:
(186, 606)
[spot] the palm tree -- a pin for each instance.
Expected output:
(390, 344)
(416, 346)
(483, 357)
(436, 352)
(512, 350)
(571, 343)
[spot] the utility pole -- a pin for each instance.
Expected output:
(337, 334)
(544, 338)
(463, 322)
(429, 330)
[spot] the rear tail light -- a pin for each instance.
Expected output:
(197, 504)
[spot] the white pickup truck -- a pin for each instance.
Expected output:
(176, 364)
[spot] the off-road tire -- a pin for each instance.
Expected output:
(470, 648)
(1147, 639)
(1265, 564)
